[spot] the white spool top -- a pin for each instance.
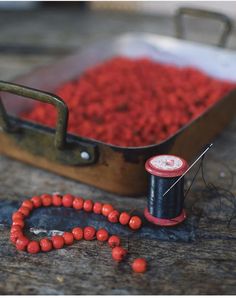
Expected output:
(166, 165)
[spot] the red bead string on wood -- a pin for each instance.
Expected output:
(133, 102)
(22, 243)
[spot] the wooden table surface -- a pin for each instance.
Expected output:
(206, 265)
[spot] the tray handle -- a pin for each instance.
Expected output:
(62, 119)
(203, 13)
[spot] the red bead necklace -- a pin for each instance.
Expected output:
(22, 243)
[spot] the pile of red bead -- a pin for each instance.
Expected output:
(133, 102)
(88, 233)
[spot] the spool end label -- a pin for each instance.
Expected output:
(166, 162)
(166, 165)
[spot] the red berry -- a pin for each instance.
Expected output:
(37, 202)
(18, 222)
(27, 204)
(45, 244)
(24, 210)
(78, 203)
(56, 200)
(118, 253)
(124, 218)
(15, 235)
(102, 235)
(58, 241)
(88, 205)
(135, 222)
(113, 216)
(89, 233)
(139, 265)
(78, 233)
(46, 200)
(68, 238)
(21, 243)
(67, 200)
(114, 241)
(33, 247)
(97, 208)
(17, 215)
(106, 209)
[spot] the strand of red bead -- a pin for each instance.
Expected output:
(22, 243)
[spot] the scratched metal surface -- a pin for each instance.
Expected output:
(204, 265)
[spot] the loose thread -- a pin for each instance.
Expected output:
(194, 178)
(211, 191)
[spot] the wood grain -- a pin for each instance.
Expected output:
(205, 266)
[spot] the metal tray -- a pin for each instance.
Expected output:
(113, 168)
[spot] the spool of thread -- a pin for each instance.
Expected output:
(164, 170)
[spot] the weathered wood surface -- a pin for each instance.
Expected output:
(204, 266)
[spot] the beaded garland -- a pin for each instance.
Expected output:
(22, 243)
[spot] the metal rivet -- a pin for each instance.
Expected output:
(85, 155)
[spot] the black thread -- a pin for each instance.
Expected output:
(170, 205)
(194, 178)
(212, 200)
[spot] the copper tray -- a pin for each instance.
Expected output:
(112, 168)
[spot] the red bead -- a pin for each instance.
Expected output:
(78, 233)
(68, 238)
(46, 200)
(17, 215)
(21, 243)
(44, 195)
(102, 235)
(113, 216)
(16, 228)
(114, 241)
(106, 209)
(37, 202)
(15, 235)
(18, 222)
(78, 203)
(135, 222)
(58, 241)
(88, 205)
(139, 265)
(25, 211)
(97, 208)
(67, 200)
(28, 204)
(89, 233)
(111, 96)
(56, 200)
(124, 218)
(45, 244)
(118, 253)
(33, 247)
